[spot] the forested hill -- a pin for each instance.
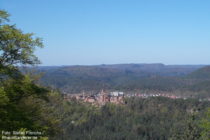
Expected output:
(143, 70)
(117, 77)
(200, 79)
(203, 73)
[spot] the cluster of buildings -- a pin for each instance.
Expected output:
(116, 97)
(98, 99)
(154, 95)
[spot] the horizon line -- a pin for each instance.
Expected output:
(65, 65)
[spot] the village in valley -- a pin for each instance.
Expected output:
(99, 99)
(115, 97)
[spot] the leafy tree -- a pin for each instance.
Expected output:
(21, 99)
(205, 124)
(16, 47)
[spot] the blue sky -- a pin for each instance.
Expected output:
(89, 32)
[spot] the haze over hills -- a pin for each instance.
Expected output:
(141, 69)
(127, 77)
(203, 73)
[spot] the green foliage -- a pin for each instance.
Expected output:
(15, 46)
(3, 16)
(205, 124)
(21, 100)
(152, 118)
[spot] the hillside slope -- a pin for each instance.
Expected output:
(203, 73)
(116, 77)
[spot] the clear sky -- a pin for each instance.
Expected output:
(87, 32)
